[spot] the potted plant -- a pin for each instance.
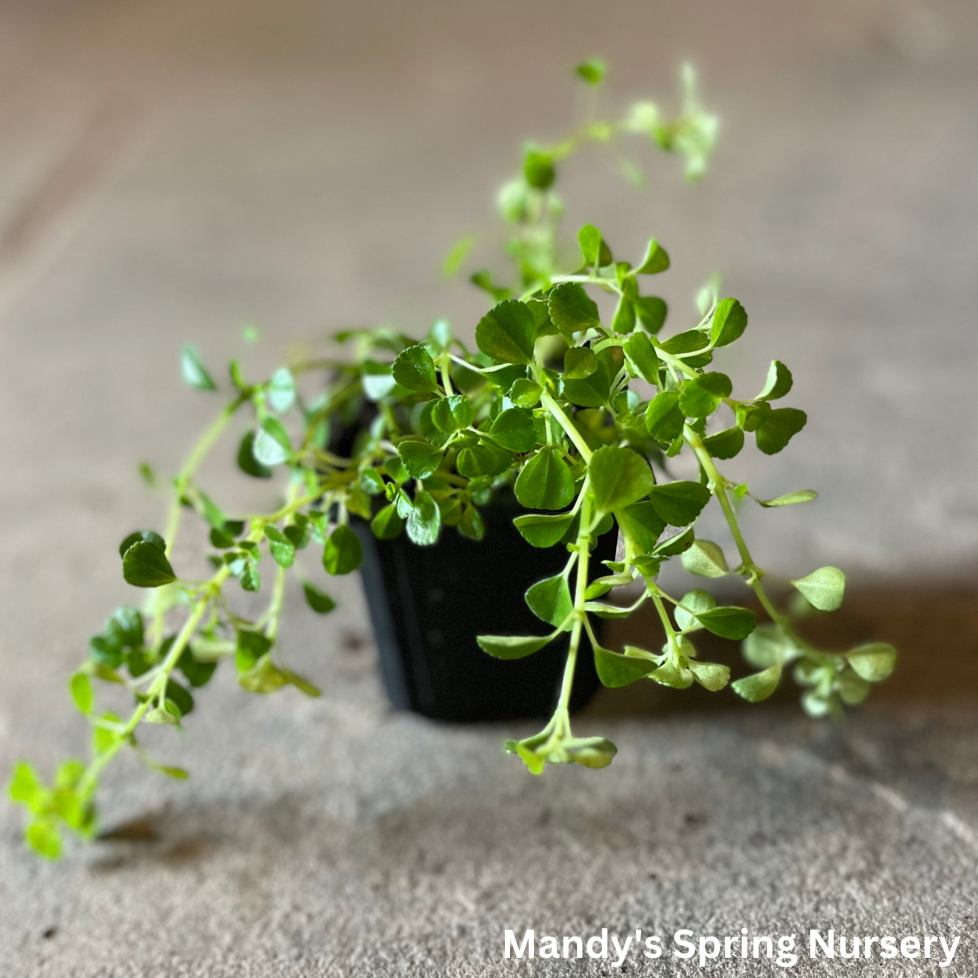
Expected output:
(565, 414)
(426, 606)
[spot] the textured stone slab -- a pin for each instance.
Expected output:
(172, 169)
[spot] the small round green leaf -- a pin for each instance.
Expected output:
(197, 673)
(693, 603)
(452, 414)
(616, 670)
(571, 309)
(318, 600)
(669, 675)
(656, 259)
(271, 445)
(589, 238)
(778, 383)
(591, 391)
(641, 355)
(249, 578)
(550, 600)
(371, 482)
(281, 390)
(705, 559)
(148, 535)
(579, 362)
(194, 372)
(420, 458)
(592, 71)
(281, 547)
(343, 552)
(545, 482)
(619, 477)
(725, 444)
(513, 429)
(387, 524)
(415, 370)
(641, 524)
(728, 621)
(424, 520)
(651, 312)
(791, 498)
(663, 419)
(873, 662)
(852, 688)
(251, 646)
(592, 752)
(729, 322)
(476, 461)
(689, 341)
(24, 787)
(776, 428)
(710, 675)
(525, 393)
(623, 321)
(81, 692)
(759, 686)
(263, 677)
(512, 646)
(673, 546)
(507, 333)
(145, 565)
(543, 531)
(824, 587)
(679, 503)
(179, 697)
(538, 168)
(247, 461)
(377, 379)
(43, 837)
(766, 646)
(701, 396)
(472, 525)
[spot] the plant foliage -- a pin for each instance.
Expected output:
(577, 406)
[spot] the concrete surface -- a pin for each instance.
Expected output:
(173, 169)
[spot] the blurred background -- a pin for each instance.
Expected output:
(174, 170)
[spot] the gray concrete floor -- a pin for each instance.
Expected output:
(170, 171)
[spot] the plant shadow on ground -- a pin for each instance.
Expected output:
(450, 833)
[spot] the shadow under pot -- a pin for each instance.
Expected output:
(428, 604)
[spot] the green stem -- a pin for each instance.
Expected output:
(197, 455)
(608, 284)
(572, 433)
(210, 590)
(87, 783)
(477, 369)
(446, 379)
(259, 523)
(275, 607)
(751, 572)
(278, 591)
(583, 557)
(330, 459)
(717, 485)
(673, 362)
(664, 618)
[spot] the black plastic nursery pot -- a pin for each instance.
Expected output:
(427, 604)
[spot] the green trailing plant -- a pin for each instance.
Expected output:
(575, 408)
